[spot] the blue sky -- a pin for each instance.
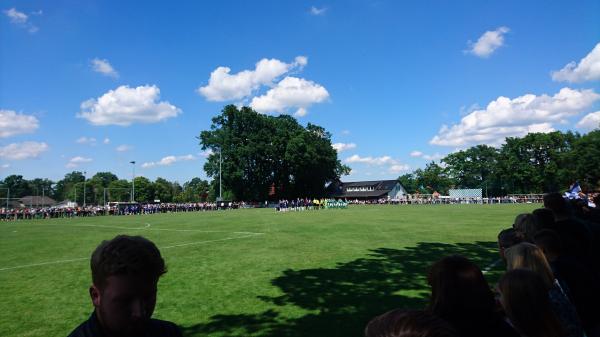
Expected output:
(93, 85)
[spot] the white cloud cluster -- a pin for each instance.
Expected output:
(393, 166)
(104, 67)
(588, 68)
(168, 160)
(223, 86)
(76, 161)
(24, 150)
(590, 121)
(106, 141)
(125, 106)
(124, 148)
(86, 140)
(291, 92)
(505, 117)
(419, 154)
(341, 147)
(21, 19)
(318, 11)
(12, 123)
(488, 42)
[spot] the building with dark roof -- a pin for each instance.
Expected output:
(376, 189)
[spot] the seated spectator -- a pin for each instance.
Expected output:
(401, 323)
(582, 284)
(461, 296)
(525, 299)
(508, 238)
(528, 256)
(125, 273)
(576, 237)
(545, 218)
(527, 225)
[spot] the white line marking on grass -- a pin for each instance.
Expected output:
(147, 227)
(164, 247)
(44, 263)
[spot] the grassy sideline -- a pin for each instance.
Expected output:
(250, 272)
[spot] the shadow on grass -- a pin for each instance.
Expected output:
(343, 299)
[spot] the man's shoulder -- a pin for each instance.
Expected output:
(160, 328)
(86, 329)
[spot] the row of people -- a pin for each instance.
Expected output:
(551, 287)
(302, 204)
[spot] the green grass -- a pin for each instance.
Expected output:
(312, 273)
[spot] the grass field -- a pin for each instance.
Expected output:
(250, 272)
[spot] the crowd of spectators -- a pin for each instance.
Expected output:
(429, 199)
(303, 204)
(114, 209)
(551, 287)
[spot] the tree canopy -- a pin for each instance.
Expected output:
(269, 157)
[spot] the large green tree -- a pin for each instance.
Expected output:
(19, 186)
(260, 152)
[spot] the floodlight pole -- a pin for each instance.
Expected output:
(133, 181)
(220, 173)
(84, 178)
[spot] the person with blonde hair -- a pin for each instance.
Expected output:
(529, 256)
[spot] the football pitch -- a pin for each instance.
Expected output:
(250, 272)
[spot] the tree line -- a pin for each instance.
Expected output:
(105, 187)
(535, 163)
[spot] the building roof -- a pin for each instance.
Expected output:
(380, 189)
(36, 200)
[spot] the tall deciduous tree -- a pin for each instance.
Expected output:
(259, 152)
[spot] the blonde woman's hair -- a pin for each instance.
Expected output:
(526, 255)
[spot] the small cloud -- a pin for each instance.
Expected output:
(397, 168)
(13, 123)
(590, 121)
(168, 161)
(588, 69)
(318, 11)
(370, 160)
(290, 93)
(125, 106)
(76, 161)
(20, 151)
(487, 44)
(106, 141)
(86, 140)
(124, 148)
(5, 166)
(341, 147)
(104, 67)
(206, 153)
(21, 19)
(345, 132)
(416, 154)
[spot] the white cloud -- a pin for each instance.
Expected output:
(205, 153)
(125, 106)
(16, 16)
(21, 19)
(488, 42)
(341, 147)
(397, 168)
(588, 68)
(291, 92)
(124, 148)
(20, 151)
(86, 140)
(505, 117)
(416, 154)
(5, 166)
(76, 161)
(318, 11)
(590, 121)
(168, 160)
(104, 67)
(345, 132)
(223, 86)
(12, 123)
(370, 160)
(106, 141)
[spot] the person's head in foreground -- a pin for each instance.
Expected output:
(524, 297)
(403, 323)
(125, 273)
(526, 255)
